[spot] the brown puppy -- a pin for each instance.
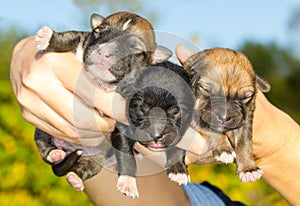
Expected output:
(131, 23)
(225, 86)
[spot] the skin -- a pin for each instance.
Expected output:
(276, 139)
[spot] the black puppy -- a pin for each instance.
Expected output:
(116, 59)
(159, 110)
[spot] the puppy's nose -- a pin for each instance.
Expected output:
(104, 53)
(155, 136)
(224, 118)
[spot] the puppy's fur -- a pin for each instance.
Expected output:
(118, 60)
(159, 109)
(225, 86)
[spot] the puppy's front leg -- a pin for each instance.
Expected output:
(50, 41)
(123, 148)
(176, 169)
(221, 147)
(47, 148)
(247, 169)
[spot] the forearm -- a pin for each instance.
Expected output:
(276, 146)
(154, 189)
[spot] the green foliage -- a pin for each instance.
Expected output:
(281, 68)
(25, 178)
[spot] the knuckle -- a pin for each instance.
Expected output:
(25, 114)
(84, 123)
(30, 80)
(71, 132)
(22, 99)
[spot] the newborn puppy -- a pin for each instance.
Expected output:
(50, 41)
(159, 109)
(225, 87)
(115, 58)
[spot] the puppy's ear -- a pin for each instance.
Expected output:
(96, 20)
(262, 84)
(160, 54)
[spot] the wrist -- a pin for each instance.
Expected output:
(276, 143)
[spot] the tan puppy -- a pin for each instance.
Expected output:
(225, 86)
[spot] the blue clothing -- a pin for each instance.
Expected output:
(206, 194)
(201, 195)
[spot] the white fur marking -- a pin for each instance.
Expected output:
(226, 158)
(127, 185)
(79, 51)
(125, 26)
(251, 176)
(180, 178)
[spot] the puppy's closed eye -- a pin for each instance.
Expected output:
(174, 110)
(247, 96)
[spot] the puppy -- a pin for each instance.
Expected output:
(115, 58)
(159, 109)
(77, 42)
(225, 86)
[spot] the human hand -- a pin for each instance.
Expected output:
(275, 142)
(50, 89)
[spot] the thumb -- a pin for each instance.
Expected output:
(183, 53)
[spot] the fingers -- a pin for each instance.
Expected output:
(193, 142)
(197, 147)
(183, 53)
(112, 104)
(65, 103)
(44, 117)
(75, 79)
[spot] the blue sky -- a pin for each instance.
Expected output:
(217, 22)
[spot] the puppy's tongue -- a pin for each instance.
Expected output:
(156, 145)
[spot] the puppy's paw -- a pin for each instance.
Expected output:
(250, 176)
(178, 173)
(180, 178)
(127, 185)
(75, 181)
(42, 38)
(226, 157)
(56, 155)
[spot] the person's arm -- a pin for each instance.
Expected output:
(276, 144)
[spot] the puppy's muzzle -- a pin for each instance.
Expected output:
(225, 115)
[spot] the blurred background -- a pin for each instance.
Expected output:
(266, 31)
